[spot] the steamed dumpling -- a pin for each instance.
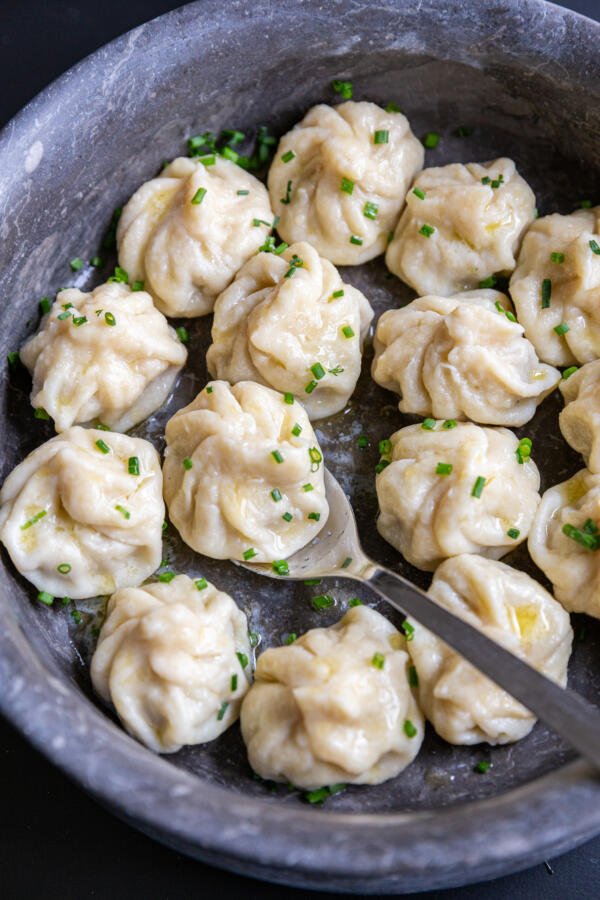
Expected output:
(556, 285)
(339, 179)
(244, 474)
(170, 660)
(565, 539)
(462, 224)
(334, 706)
(461, 357)
(188, 231)
(579, 421)
(508, 606)
(428, 508)
(108, 355)
(82, 515)
(290, 322)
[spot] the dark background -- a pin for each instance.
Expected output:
(54, 840)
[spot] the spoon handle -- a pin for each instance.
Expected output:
(576, 720)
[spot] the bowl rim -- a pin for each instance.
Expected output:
(399, 851)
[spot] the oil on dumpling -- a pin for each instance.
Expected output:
(452, 488)
(340, 177)
(579, 421)
(462, 224)
(173, 660)
(82, 515)
(290, 322)
(556, 287)
(107, 355)
(188, 231)
(565, 539)
(508, 606)
(334, 706)
(461, 357)
(243, 474)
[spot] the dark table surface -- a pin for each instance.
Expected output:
(54, 840)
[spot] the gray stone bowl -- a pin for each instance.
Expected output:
(524, 77)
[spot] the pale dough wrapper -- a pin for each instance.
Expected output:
(579, 421)
(118, 366)
(330, 181)
(429, 515)
(73, 504)
(508, 606)
(334, 706)
(461, 357)
(167, 659)
(573, 569)
(244, 474)
(187, 252)
(560, 258)
(477, 228)
(272, 327)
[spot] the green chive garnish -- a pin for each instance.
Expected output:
(40, 413)
(409, 729)
(419, 193)
(315, 516)
(562, 328)
(362, 442)
(242, 193)
(449, 423)
(408, 629)
(79, 320)
(546, 293)
(77, 264)
(288, 157)
(413, 678)
(201, 584)
(317, 370)
(288, 398)
(568, 372)
(133, 465)
(287, 517)
(109, 318)
(381, 137)
(222, 711)
(513, 533)
(45, 598)
(45, 305)
(323, 601)
(166, 577)
(64, 568)
(102, 446)
(594, 247)
(355, 239)
(347, 331)
(337, 294)
(290, 638)
(489, 282)
(124, 512)
(443, 468)
(346, 185)
(249, 554)
(378, 660)
(182, 334)
(277, 456)
(482, 766)
(370, 210)
(426, 230)
(428, 424)
(478, 486)
(309, 388)
(586, 538)
(199, 196)
(280, 566)
(307, 487)
(343, 88)
(556, 257)
(187, 463)
(39, 515)
(431, 140)
(242, 658)
(297, 430)
(276, 495)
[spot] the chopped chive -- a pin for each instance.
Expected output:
(337, 294)
(222, 711)
(378, 660)
(96, 262)
(428, 424)
(311, 582)
(347, 562)
(64, 568)
(426, 230)
(201, 584)
(102, 446)
(40, 413)
(392, 107)
(109, 318)
(443, 468)
(209, 389)
(257, 222)
(478, 486)
(346, 185)
(315, 516)
(486, 179)
(183, 334)
(233, 136)
(309, 388)
(137, 286)
(482, 766)
(276, 495)
(582, 537)
(288, 197)
(253, 638)
(409, 729)
(590, 527)
(317, 370)
(288, 157)
(13, 358)
(234, 681)
(316, 458)
(413, 678)
(370, 210)
(557, 257)
(381, 137)
(287, 517)
(297, 430)
(45, 598)
(45, 305)
(323, 601)
(337, 370)
(228, 153)
(124, 512)
(307, 487)
(594, 247)
(385, 447)
(347, 331)
(64, 315)
(242, 658)
(546, 293)
(99, 426)
(208, 160)
(513, 533)
(496, 182)
(280, 567)
(408, 629)
(187, 463)
(288, 398)
(166, 577)
(354, 601)
(562, 328)
(449, 423)
(431, 140)
(39, 515)
(585, 204)
(243, 193)
(198, 196)
(277, 456)
(250, 553)
(355, 239)
(343, 88)
(133, 465)
(489, 282)
(280, 248)
(523, 451)
(77, 264)
(568, 372)
(419, 193)
(381, 465)
(290, 638)
(79, 320)
(362, 442)
(510, 315)
(120, 276)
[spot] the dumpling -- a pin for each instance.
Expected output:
(334, 706)
(82, 515)
(579, 421)
(462, 224)
(461, 357)
(453, 488)
(556, 287)
(290, 322)
(339, 179)
(508, 606)
(108, 355)
(173, 661)
(243, 474)
(565, 538)
(188, 231)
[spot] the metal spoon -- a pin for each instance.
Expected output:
(337, 552)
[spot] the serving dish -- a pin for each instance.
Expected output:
(525, 78)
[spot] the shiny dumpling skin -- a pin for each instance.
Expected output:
(187, 253)
(103, 522)
(575, 291)
(167, 659)
(508, 606)
(271, 329)
(579, 421)
(429, 516)
(461, 357)
(222, 504)
(335, 143)
(320, 712)
(478, 228)
(573, 569)
(117, 374)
